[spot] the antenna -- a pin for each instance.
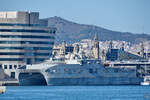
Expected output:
(143, 29)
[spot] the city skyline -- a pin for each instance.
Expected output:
(118, 15)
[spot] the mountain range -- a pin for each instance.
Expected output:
(73, 32)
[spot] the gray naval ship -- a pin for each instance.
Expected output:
(82, 72)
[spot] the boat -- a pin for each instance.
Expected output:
(79, 72)
(2, 89)
(146, 81)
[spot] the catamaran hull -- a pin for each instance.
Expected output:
(31, 79)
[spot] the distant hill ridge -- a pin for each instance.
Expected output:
(73, 32)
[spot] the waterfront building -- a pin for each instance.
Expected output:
(62, 50)
(23, 40)
(112, 54)
(120, 54)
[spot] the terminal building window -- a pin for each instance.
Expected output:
(23, 30)
(24, 36)
(12, 75)
(5, 66)
(15, 66)
(25, 42)
(10, 66)
(27, 48)
(0, 66)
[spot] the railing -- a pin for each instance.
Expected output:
(9, 82)
(29, 70)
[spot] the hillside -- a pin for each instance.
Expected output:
(73, 32)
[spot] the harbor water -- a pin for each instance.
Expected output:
(76, 93)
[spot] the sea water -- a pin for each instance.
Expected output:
(76, 93)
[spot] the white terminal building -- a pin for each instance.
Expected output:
(23, 40)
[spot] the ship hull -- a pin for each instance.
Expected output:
(91, 73)
(32, 80)
(94, 81)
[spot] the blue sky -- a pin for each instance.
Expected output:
(119, 15)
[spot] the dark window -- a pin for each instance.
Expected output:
(14, 24)
(39, 59)
(12, 75)
(26, 54)
(5, 66)
(0, 66)
(15, 66)
(19, 65)
(11, 53)
(26, 36)
(42, 54)
(23, 30)
(25, 42)
(27, 48)
(10, 66)
(11, 59)
(28, 61)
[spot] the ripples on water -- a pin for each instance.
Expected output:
(77, 93)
